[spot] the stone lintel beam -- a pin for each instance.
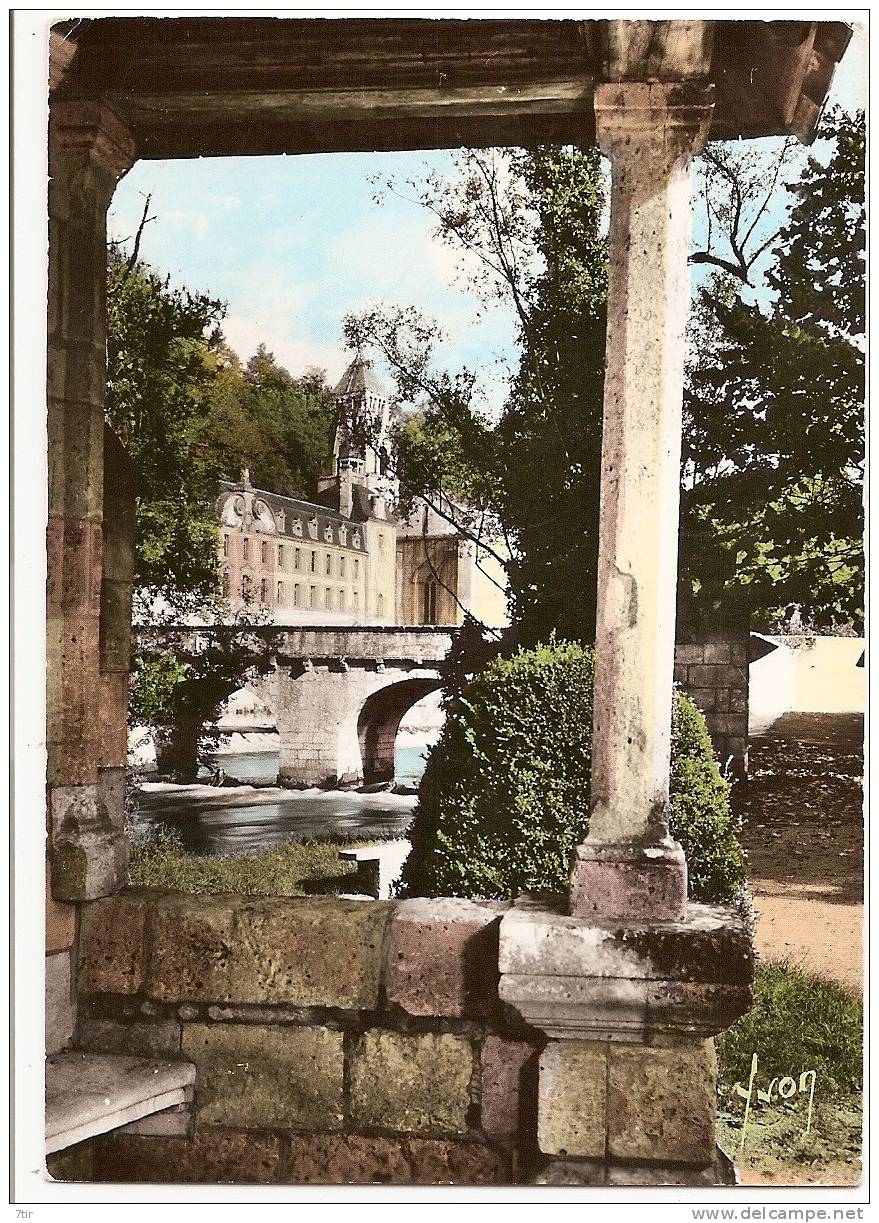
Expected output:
(628, 866)
(635, 982)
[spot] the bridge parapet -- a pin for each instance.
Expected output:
(334, 642)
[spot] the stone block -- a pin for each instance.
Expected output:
(680, 674)
(213, 1156)
(148, 1039)
(509, 1086)
(89, 850)
(688, 652)
(705, 698)
(412, 1083)
(661, 1103)
(717, 651)
(718, 675)
(319, 951)
(738, 700)
(572, 1099)
(442, 957)
(60, 1004)
(112, 945)
(261, 1077)
(711, 944)
(730, 724)
(721, 700)
(629, 881)
(353, 1159)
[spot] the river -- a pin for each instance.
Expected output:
(257, 816)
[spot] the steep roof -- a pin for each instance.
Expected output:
(358, 379)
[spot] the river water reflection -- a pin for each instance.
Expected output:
(258, 817)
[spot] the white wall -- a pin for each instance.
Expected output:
(806, 675)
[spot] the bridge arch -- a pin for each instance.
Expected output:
(379, 719)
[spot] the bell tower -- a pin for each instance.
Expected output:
(362, 445)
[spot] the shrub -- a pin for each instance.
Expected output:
(505, 794)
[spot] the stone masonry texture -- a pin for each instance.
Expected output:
(214, 1156)
(338, 1159)
(573, 1099)
(412, 1083)
(221, 1155)
(661, 1102)
(442, 957)
(260, 1077)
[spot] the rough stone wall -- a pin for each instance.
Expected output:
(712, 668)
(358, 1041)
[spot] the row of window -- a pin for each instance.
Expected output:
(339, 602)
(341, 567)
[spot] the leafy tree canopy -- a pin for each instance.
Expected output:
(774, 451)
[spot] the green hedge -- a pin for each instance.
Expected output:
(505, 794)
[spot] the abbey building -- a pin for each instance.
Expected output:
(345, 558)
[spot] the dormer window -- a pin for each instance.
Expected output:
(281, 518)
(343, 535)
(312, 527)
(328, 533)
(355, 541)
(296, 526)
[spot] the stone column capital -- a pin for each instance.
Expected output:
(92, 130)
(667, 116)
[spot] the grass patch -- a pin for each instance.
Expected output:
(299, 868)
(798, 1022)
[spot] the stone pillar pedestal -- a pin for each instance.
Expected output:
(627, 1081)
(89, 149)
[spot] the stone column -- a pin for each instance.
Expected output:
(628, 865)
(89, 150)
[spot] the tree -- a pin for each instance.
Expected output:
(529, 223)
(161, 364)
(775, 445)
(168, 370)
(183, 677)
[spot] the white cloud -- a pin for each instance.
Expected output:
(197, 221)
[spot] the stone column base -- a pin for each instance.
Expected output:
(627, 1082)
(624, 881)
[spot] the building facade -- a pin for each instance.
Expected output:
(344, 558)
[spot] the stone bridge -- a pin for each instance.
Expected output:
(337, 695)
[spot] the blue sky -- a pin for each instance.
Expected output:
(291, 244)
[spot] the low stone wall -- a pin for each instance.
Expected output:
(370, 1042)
(712, 669)
(335, 1041)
